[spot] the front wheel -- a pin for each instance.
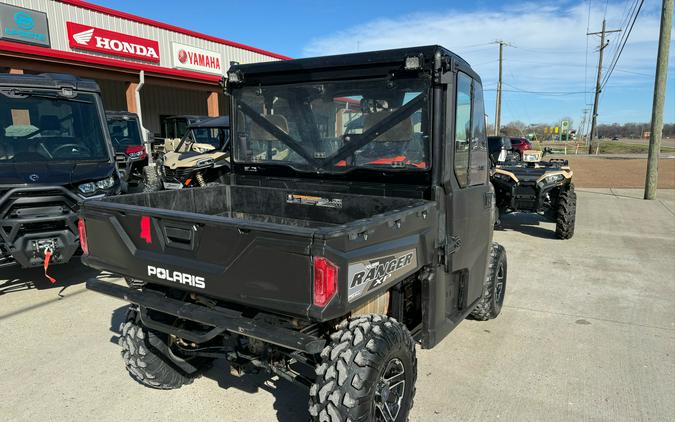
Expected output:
(494, 287)
(368, 372)
(566, 213)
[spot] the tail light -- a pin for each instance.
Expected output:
(145, 229)
(83, 236)
(325, 281)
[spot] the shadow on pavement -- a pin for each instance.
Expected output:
(291, 400)
(15, 279)
(526, 223)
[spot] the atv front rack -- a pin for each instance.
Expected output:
(220, 319)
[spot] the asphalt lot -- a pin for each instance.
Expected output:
(587, 333)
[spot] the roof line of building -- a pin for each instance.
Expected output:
(104, 61)
(168, 27)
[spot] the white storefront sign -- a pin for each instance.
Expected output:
(193, 58)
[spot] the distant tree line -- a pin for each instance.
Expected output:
(543, 130)
(632, 130)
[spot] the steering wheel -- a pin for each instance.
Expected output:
(78, 147)
(122, 141)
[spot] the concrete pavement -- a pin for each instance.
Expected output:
(587, 333)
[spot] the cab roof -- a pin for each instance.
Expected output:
(48, 81)
(347, 65)
(212, 122)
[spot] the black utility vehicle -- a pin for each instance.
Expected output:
(54, 153)
(126, 134)
(333, 249)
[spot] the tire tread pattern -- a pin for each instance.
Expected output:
(566, 213)
(346, 377)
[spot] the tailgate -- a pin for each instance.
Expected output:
(215, 256)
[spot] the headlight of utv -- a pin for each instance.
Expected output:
(205, 163)
(555, 178)
(91, 187)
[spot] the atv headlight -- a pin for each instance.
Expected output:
(503, 177)
(555, 178)
(91, 187)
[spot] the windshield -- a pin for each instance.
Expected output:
(216, 137)
(124, 132)
(43, 126)
(335, 126)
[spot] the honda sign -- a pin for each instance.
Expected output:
(85, 37)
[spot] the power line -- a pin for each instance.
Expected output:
(625, 40)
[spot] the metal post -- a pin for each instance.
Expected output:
(656, 128)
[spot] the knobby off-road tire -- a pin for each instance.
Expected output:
(146, 356)
(494, 288)
(151, 181)
(369, 364)
(566, 214)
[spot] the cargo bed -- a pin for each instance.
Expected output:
(254, 245)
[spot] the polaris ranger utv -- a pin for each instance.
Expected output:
(54, 153)
(333, 249)
(536, 186)
(200, 159)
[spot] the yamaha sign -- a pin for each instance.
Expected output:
(85, 37)
(197, 59)
(23, 25)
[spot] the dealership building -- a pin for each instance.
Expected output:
(144, 66)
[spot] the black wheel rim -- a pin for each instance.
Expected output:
(500, 282)
(389, 391)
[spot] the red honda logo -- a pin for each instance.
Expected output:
(86, 37)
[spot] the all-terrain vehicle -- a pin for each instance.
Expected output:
(536, 186)
(131, 154)
(55, 152)
(201, 158)
(334, 247)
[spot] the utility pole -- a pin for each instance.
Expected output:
(603, 44)
(498, 111)
(656, 128)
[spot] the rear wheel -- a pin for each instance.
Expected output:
(368, 373)
(566, 213)
(494, 288)
(148, 358)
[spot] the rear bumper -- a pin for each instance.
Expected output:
(220, 319)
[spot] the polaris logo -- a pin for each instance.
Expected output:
(177, 277)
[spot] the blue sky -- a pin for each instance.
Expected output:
(549, 56)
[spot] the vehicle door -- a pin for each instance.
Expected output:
(469, 203)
